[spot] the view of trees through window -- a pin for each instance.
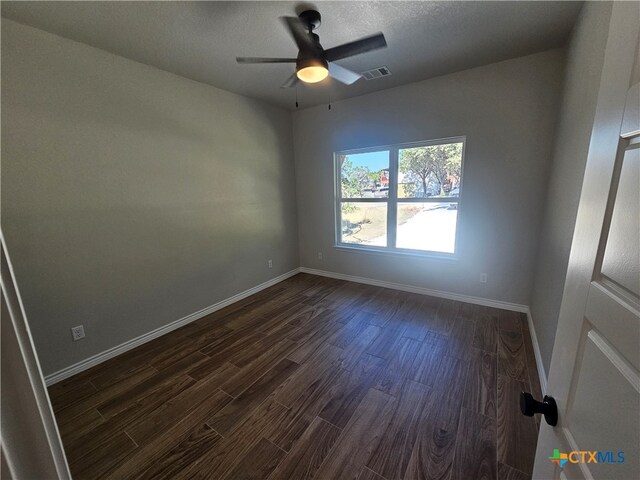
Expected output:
(430, 171)
(417, 212)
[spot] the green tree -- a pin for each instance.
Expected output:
(445, 161)
(353, 179)
(415, 163)
(437, 161)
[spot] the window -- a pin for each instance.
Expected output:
(402, 198)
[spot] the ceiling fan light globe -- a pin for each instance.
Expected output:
(312, 70)
(312, 74)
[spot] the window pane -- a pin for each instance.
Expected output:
(427, 226)
(364, 175)
(430, 171)
(364, 223)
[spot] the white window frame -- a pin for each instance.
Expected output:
(392, 200)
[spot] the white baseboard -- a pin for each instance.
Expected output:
(536, 351)
(133, 343)
(420, 290)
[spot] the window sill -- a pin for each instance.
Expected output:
(447, 257)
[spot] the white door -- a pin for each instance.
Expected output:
(595, 367)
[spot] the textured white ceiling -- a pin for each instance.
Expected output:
(200, 40)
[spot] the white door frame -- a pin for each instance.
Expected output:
(31, 444)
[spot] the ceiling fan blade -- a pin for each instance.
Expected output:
(264, 60)
(374, 42)
(342, 74)
(290, 82)
(300, 35)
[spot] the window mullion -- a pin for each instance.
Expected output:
(392, 206)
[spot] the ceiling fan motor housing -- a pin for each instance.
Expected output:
(311, 62)
(310, 18)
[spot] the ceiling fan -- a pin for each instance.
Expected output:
(314, 63)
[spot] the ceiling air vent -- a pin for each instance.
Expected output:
(376, 73)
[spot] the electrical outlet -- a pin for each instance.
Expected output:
(319, 255)
(77, 333)
(270, 263)
(483, 278)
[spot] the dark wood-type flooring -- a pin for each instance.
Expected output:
(312, 378)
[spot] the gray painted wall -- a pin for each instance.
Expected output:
(508, 113)
(584, 66)
(132, 197)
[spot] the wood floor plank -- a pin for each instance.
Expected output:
(446, 315)
(385, 303)
(128, 417)
(517, 434)
(70, 393)
(351, 388)
(359, 438)
(199, 441)
(460, 338)
(352, 352)
(242, 406)
(400, 367)
(244, 357)
(233, 341)
(468, 311)
(258, 463)
(304, 460)
(433, 452)
(310, 328)
(186, 347)
(532, 366)
(219, 355)
(314, 342)
(509, 321)
(475, 455)
(512, 359)
(451, 380)
(485, 336)
(323, 378)
(77, 427)
(247, 375)
(321, 361)
(383, 345)
(505, 472)
(391, 456)
(104, 458)
(344, 299)
(368, 474)
(130, 396)
(481, 389)
(168, 437)
(417, 317)
(67, 414)
(283, 314)
(171, 412)
(305, 316)
(109, 373)
(427, 362)
(352, 329)
(220, 461)
(306, 407)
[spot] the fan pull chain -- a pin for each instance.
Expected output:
(329, 99)
(296, 94)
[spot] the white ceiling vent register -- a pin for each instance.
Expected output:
(376, 73)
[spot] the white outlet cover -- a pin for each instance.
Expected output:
(483, 278)
(77, 332)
